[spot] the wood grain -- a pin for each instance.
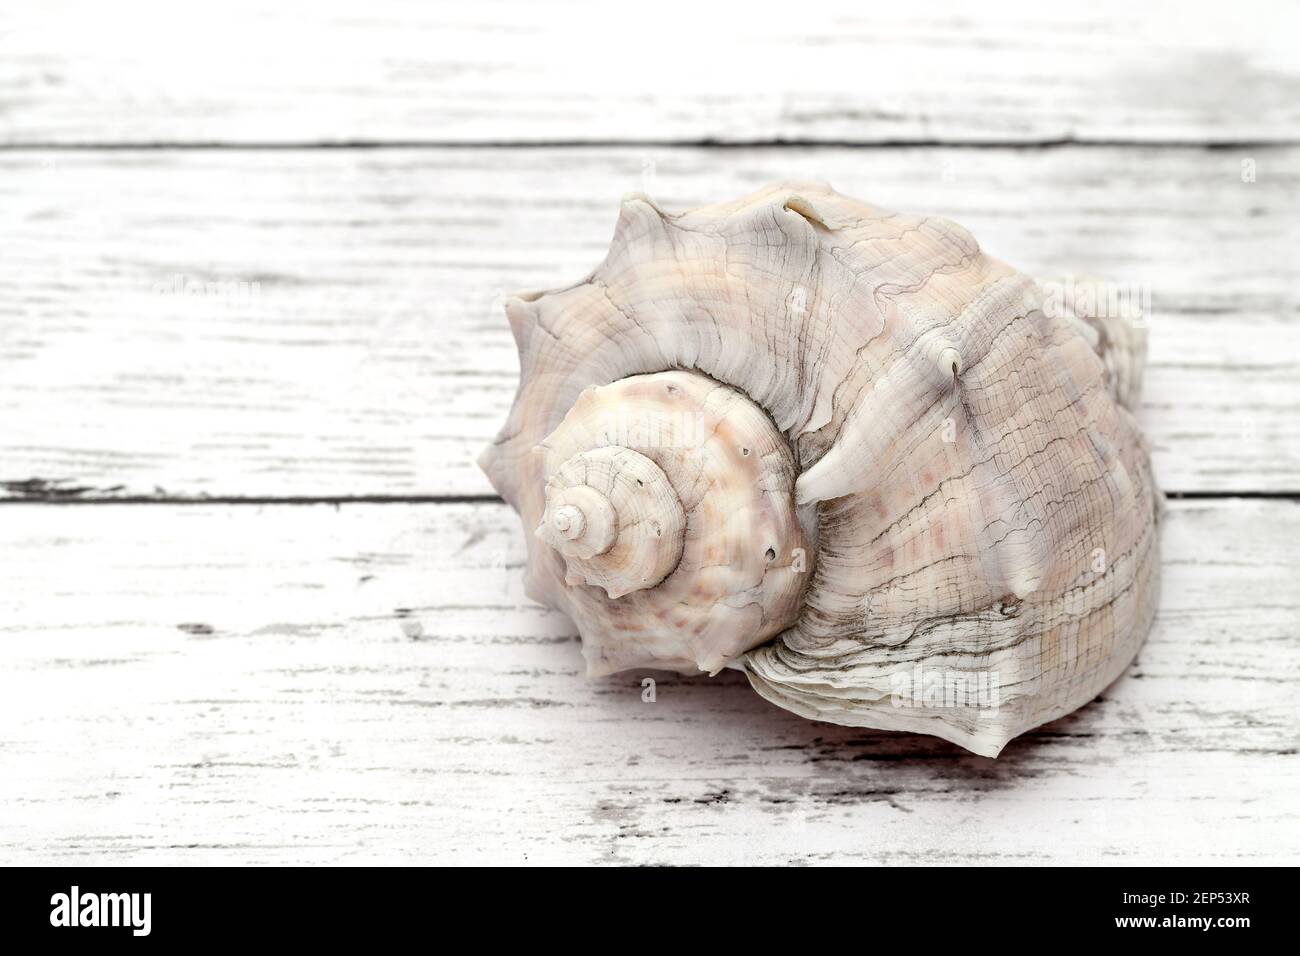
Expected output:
(214, 684)
(521, 71)
(352, 342)
(184, 681)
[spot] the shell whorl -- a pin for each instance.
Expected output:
(669, 500)
(959, 467)
(616, 519)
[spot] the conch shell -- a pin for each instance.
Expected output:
(842, 450)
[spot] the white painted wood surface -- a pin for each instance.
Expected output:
(355, 344)
(672, 70)
(204, 684)
(285, 682)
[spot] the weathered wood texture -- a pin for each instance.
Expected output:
(192, 683)
(353, 343)
(205, 684)
(242, 71)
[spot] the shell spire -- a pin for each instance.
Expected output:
(616, 518)
(666, 525)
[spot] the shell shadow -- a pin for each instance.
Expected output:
(841, 761)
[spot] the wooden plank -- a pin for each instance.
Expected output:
(517, 70)
(353, 344)
(216, 684)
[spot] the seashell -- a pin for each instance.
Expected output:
(844, 451)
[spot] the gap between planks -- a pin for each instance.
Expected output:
(778, 143)
(56, 499)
